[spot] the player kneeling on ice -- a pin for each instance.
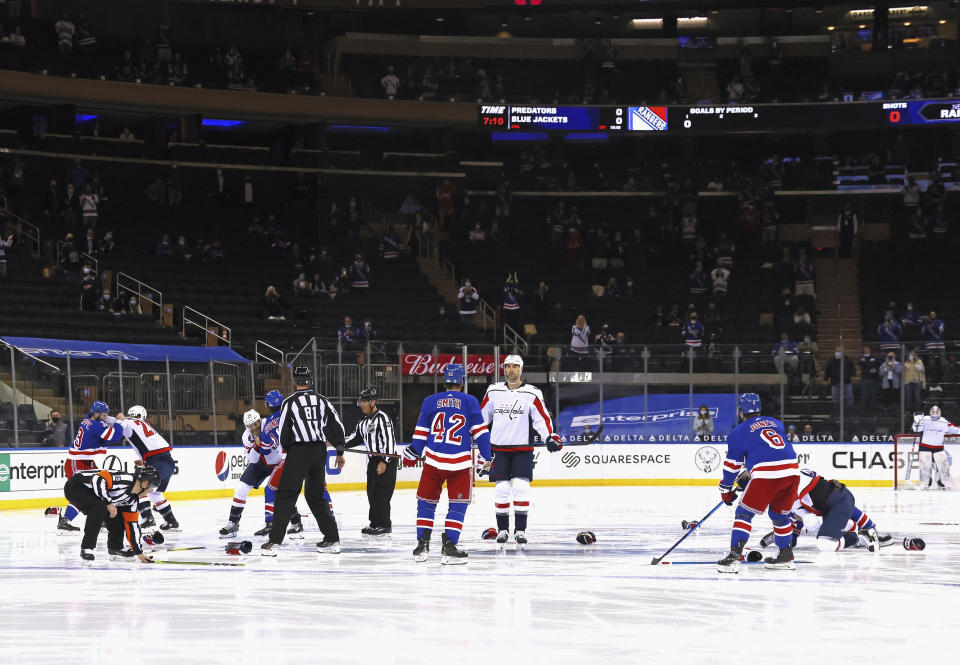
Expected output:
(448, 421)
(510, 408)
(760, 444)
(111, 497)
(154, 450)
(933, 427)
(826, 509)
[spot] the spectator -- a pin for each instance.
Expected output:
(573, 244)
(133, 306)
(467, 299)
(359, 274)
(164, 48)
(910, 323)
(85, 36)
(580, 337)
(792, 434)
(127, 135)
(273, 305)
(392, 245)
(891, 372)
(808, 434)
(65, 30)
(692, 332)
(933, 330)
(156, 192)
(16, 38)
(802, 323)
(839, 374)
(88, 290)
(126, 71)
(612, 289)
(90, 245)
(724, 251)
(177, 70)
(477, 235)
(698, 280)
(163, 250)
(911, 197)
(347, 334)
(69, 207)
(390, 84)
(808, 350)
(889, 332)
(876, 173)
(104, 302)
(89, 203)
(4, 245)
(444, 194)
(342, 283)
(803, 276)
(367, 333)
(302, 286)
(319, 287)
(786, 355)
(182, 252)
(914, 381)
(720, 277)
(77, 175)
(511, 300)
(847, 226)
(869, 379)
(703, 424)
(55, 432)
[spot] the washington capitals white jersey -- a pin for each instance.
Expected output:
(447, 422)
(140, 435)
(933, 430)
(511, 413)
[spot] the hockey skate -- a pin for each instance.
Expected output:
(731, 562)
(148, 523)
(783, 560)
(502, 537)
(230, 530)
(170, 526)
(120, 555)
(380, 532)
(521, 538)
(422, 549)
(64, 527)
(884, 539)
(367, 530)
(328, 546)
(265, 531)
(295, 532)
(451, 555)
(269, 549)
(870, 539)
(86, 557)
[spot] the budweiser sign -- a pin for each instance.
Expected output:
(427, 364)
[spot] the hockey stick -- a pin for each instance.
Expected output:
(660, 558)
(370, 454)
(593, 438)
(201, 563)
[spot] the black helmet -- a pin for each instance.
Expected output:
(149, 474)
(367, 394)
(302, 376)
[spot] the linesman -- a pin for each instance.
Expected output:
(375, 431)
(308, 424)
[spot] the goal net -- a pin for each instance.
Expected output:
(906, 452)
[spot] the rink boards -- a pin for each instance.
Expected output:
(35, 477)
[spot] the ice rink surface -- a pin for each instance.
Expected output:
(556, 602)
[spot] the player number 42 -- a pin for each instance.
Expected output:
(449, 434)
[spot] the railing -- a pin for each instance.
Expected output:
(511, 338)
(24, 228)
(91, 261)
(208, 325)
(144, 291)
(265, 354)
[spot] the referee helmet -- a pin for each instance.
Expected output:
(368, 394)
(302, 376)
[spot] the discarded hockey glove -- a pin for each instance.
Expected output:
(554, 443)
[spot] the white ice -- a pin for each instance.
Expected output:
(556, 602)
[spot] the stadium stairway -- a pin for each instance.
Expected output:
(838, 299)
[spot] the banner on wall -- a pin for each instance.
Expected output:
(662, 418)
(428, 364)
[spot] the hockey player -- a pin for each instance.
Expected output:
(154, 450)
(826, 509)
(760, 443)
(112, 497)
(509, 408)
(87, 444)
(448, 421)
(933, 427)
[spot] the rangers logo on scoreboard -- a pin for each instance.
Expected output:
(648, 118)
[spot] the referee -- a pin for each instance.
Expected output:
(308, 423)
(376, 431)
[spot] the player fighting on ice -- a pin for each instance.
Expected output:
(152, 449)
(111, 497)
(87, 445)
(264, 459)
(933, 429)
(448, 421)
(760, 443)
(509, 408)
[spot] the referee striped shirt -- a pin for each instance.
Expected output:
(117, 488)
(376, 432)
(307, 417)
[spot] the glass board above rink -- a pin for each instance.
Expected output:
(720, 118)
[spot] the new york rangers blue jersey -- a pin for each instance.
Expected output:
(270, 451)
(89, 442)
(448, 421)
(759, 443)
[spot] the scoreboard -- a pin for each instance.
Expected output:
(720, 119)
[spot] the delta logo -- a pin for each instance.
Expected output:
(222, 466)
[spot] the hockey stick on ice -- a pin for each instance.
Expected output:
(201, 563)
(660, 558)
(593, 439)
